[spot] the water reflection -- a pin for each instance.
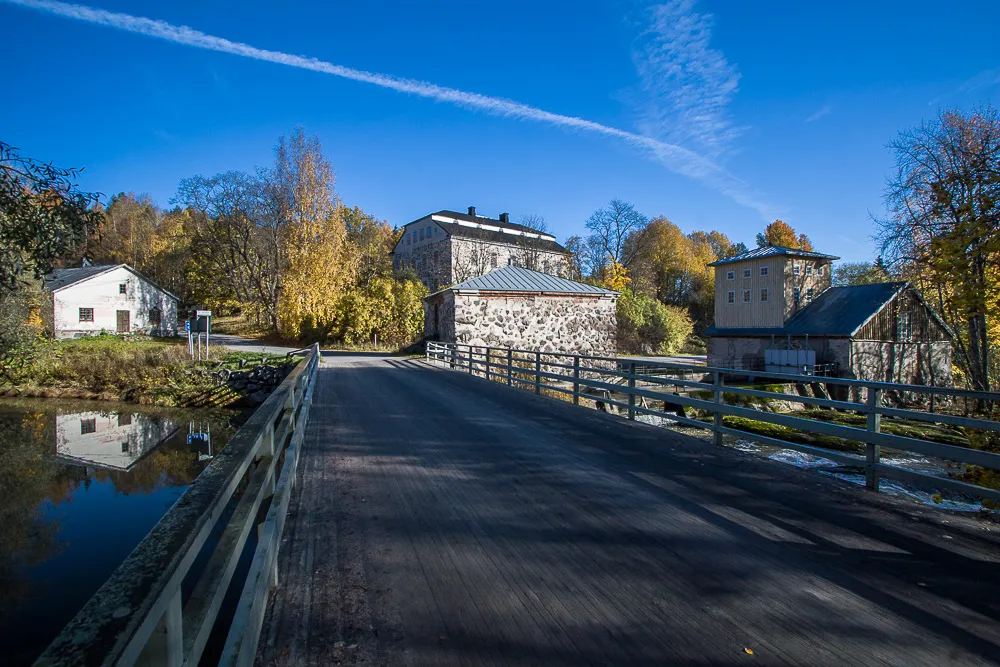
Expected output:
(80, 486)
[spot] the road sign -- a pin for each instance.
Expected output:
(187, 325)
(203, 313)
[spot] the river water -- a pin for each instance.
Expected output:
(81, 483)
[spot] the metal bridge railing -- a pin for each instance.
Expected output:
(568, 373)
(158, 609)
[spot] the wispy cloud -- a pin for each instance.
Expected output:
(819, 113)
(983, 80)
(676, 158)
(687, 84)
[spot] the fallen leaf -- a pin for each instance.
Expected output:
(748, 651)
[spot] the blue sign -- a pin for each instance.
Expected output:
(187, 325)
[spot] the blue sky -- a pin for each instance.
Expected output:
(755, 110)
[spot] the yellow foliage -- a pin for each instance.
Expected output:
(616, 277)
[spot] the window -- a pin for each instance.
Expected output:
(408, 239)
(124, 419)
(763, 295)
(746, 296)
(763, 272)
(731, 296)
(421, 235)
(88, 426)
(123, 288)
(746, 273)
(795, 295)
(904, 330)
(86, 314)
(795, 269)
(731, 275)
(155, 316)
(809, 295)
(125, 447)
(809, 269)
(819, 270)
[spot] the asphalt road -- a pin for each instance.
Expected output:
(440, 519)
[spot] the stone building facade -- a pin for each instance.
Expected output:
(518, 308)
(781, 299)
(447, 247)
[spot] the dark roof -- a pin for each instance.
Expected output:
(517, 279)
(461, 231)
(60, 278)
(454, 229)
(838, 312)
(772, 250)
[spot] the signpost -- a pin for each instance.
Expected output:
(199, 323)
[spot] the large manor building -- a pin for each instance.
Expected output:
(448, 247)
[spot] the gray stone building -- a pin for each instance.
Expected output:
(775, 309)
(448, 247)
(519, 308)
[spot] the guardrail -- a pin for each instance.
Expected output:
(532, 369)
(158, 608)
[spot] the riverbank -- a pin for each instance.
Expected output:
(146, 371)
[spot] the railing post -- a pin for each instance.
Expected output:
(538, 372)
(510, 367)
(576, 379)
(873, 451)
(488, 352)
(717, 383)
(470, 359)
(166, 645)
(631, 390)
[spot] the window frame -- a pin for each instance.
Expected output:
(796, 269)
(80, 316)
(763, 295)
(155, 316)
(764, 271)
(809, 294)
(747, 296)
(731, 297)
(747, 273)
(123, 288)
(731, 275)
(809, 268)
(88, 426)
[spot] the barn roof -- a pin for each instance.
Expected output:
(837, 312)
(771, 251)
(58, 279)
(517, 279)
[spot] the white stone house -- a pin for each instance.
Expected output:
(523, 309)
(114, 299)
(448, 247)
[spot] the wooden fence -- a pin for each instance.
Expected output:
(581, 376)
(159, 608)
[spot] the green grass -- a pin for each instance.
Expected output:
(136, 370)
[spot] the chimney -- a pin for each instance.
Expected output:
(472, 211)
(505, 217)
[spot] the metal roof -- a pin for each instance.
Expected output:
(838, 311)
(773, 250)
(517, 279)
(59, 278)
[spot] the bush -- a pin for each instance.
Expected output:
(648, 326)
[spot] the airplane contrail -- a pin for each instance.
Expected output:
(676, 158)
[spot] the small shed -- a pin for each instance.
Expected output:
(519, 308)
(89, 300)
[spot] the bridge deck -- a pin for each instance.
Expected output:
(441, 519)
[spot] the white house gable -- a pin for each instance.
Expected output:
(118, 300)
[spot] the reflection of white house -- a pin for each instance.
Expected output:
(116, 299)
(107, 439)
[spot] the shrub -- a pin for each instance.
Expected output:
(648, 326)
